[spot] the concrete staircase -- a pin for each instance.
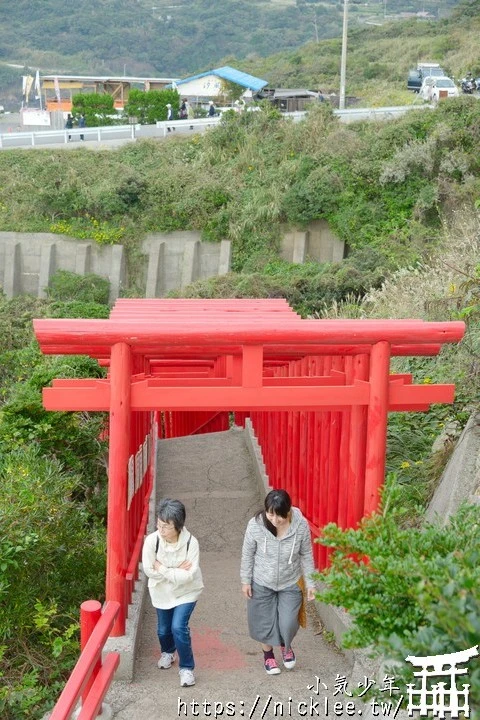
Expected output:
(214, 476)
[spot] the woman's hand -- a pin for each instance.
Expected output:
(310, 594)
(185, 565)
(247, 590)
(157, 565)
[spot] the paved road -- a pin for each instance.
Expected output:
(212, 474)
(14, 135)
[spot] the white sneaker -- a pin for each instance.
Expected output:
(187, 677)
(166, 660)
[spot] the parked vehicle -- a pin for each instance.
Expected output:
(436, 88)
(423, 70)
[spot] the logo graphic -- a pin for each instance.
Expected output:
(440, 697)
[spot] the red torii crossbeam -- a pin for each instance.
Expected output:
(256, 357)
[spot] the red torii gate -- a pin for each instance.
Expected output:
(318, 393)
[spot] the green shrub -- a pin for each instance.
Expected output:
(98, 109)
(149, 106)
(416, 592)
(72, 438)
(53, 558)
(67, 286)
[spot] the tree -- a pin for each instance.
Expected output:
(150, 106)
(98, 109)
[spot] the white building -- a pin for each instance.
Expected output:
(211, 85)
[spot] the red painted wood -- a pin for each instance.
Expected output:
(376, 426)
(90, 614)
(356, 464)
(264, 331)
(343, 489)
(120, 416)
(304, 383)
(93, 703)
(86, 663)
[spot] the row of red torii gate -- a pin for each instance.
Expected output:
(318, 393)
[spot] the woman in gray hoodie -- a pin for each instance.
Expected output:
(276, 568)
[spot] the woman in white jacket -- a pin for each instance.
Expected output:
(170, 560)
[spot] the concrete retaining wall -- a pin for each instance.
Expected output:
(176, 259)
(317, 242)
(28, 260)
(171, 260)
(460, 481)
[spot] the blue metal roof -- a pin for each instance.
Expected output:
(228, 73)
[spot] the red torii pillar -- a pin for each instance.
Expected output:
(120, 416)
(376, 425)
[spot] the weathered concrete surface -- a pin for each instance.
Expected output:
(461, 478)
(213, 475)
(316, 242)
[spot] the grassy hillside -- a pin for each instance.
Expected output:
(111, 36)
(379, 58)
(161, 38)
(377, 61)
(383, 188)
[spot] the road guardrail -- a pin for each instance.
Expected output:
(47, 137)
(34, 138)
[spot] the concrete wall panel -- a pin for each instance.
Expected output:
(171, 260)
(28, 260)
(317, 242)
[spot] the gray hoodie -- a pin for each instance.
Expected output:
(277, 563)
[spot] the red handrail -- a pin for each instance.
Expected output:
(132, 569)
(90, 677)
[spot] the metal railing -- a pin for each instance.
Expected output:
(47, 137)
(163, 127)
(185, 124)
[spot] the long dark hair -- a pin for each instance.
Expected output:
(278, 502)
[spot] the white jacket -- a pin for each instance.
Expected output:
(171, 586)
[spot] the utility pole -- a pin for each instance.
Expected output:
(343, 65)
(315, 23)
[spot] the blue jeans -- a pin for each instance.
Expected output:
(174, 634)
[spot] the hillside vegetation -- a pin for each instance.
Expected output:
(169, 38)
(379, 58)
(382, 187)
(404, 195)
(117, 37)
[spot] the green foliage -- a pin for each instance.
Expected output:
(77, 309)
(52, 508)
(231, 91)
(72, 438)
(87, 288)
(417, 592)
(53, 557)
(379, 186)
(99, 110)
(149, 106)
(310, 288)
(315, 195)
